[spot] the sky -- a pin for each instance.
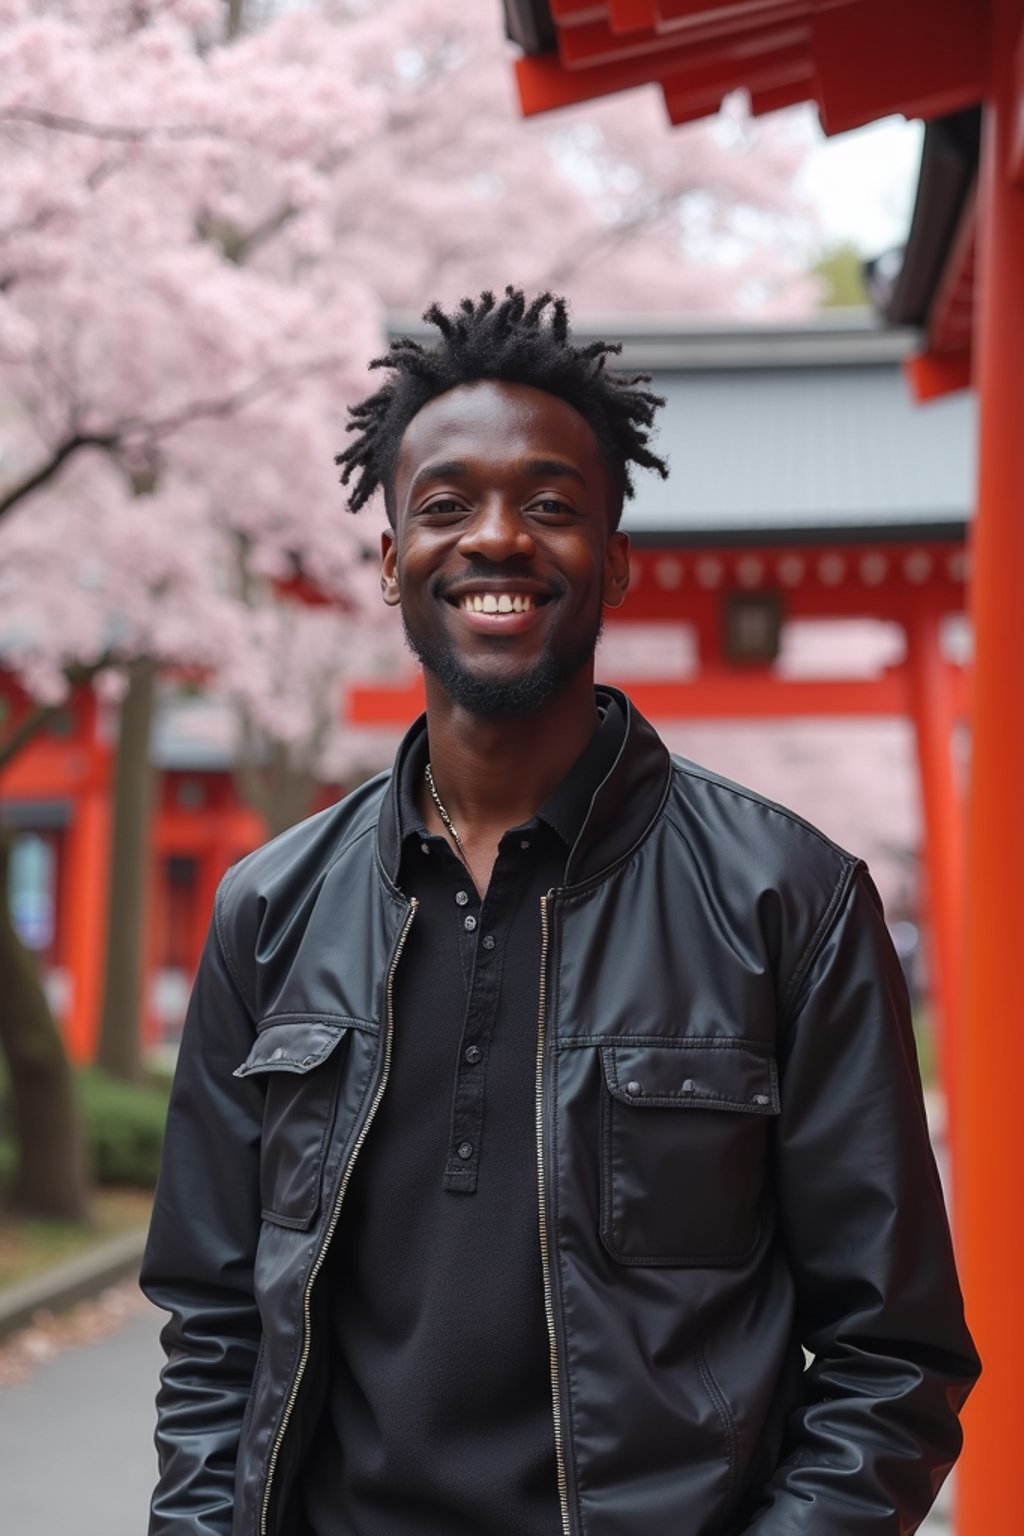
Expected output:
(863, 183)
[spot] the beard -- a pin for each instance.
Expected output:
(493, 697)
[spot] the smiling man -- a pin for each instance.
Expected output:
(548, 1104)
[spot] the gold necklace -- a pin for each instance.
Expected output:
(449, 825)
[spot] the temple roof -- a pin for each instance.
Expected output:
(857, 59)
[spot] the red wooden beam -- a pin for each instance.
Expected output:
(765, 99)
(547, 82)
(922, 58)
(544, 83)
(931, 374)
(569, 13)
(677, 14)
(951, 316)
(757, 694)
(625, 15)
(597, 42)
(870, 57)
(1016, 165)
(395, 704)
(771, 70)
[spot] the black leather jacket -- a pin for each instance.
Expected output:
(733, 1167)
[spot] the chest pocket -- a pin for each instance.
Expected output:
(684, 1132)
(301, 1061)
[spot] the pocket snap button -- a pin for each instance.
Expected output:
(276, 1055)
(634, 1089)
(689, 1086)
(761, 1098)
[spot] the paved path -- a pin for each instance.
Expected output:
(76, 1439)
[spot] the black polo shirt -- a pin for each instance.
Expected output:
(439, 1419)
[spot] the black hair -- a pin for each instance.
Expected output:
(513, 342)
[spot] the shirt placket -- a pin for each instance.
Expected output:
(484, 931)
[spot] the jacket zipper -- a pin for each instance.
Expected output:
(307, 1338)
(542, 1210)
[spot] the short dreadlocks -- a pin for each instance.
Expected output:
(515, 343)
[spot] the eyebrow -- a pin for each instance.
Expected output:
(454, 469)
(446, 469)
(554, 469)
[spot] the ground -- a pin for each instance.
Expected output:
(29, 1246)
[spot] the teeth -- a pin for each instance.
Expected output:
(488, 602)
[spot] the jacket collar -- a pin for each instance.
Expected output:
(625, 804)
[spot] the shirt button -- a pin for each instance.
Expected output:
(424, 848)
(473, 1054)
(462, 897)
(524, 842)
(469, 923)
(488, 941)
(465, 1150)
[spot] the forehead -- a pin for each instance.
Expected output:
(494, 424)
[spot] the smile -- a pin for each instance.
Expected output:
(498, 602)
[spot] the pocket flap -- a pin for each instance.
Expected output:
(705, 1074)
(298, 1046)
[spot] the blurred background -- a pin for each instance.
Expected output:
(212, 217)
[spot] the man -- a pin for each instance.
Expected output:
(544, 1101)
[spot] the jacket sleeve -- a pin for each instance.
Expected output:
(198, 1263)
(863, 1219)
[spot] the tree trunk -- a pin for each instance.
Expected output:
(50, 1174)
(119, 1051)
(280, 789)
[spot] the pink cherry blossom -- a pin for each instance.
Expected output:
(200, 239)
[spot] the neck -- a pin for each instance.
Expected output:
(492, 773)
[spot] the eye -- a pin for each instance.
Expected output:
(444, 507)
(551, 507)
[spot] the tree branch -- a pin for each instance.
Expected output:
(236, 244)
(46, 471)
(58, 122)
(116, 437)
(41, 714)
(228, 405)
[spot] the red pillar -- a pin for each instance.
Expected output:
(989, 1186)
(84, 911)
(932, 709)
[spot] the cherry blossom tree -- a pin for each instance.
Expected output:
(205, 214)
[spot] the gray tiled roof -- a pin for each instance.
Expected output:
(804, 449)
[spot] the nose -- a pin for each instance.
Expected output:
(497, 532)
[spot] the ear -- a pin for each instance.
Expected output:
(616, 570)
(388, 568)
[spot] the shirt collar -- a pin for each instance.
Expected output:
(565, 809)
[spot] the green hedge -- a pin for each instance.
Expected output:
(124, 1127)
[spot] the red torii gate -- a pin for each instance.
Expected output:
(860, 60)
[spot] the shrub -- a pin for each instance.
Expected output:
(124, 1127)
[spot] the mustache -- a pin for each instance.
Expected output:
(506, 571)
